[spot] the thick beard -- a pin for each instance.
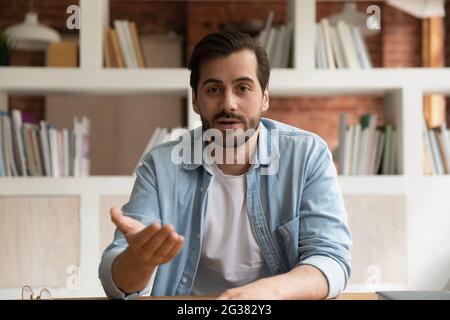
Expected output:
(248, 124)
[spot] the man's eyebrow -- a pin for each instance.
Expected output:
(244, 79)
(220, 81)
(211, 80)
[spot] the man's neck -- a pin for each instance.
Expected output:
(244, 151)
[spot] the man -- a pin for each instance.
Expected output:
(272, 226)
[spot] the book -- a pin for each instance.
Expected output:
(385, 169)
(277, 49)
(53, 147)
(361, 49)
(10, 164)
(379, 153)
(437, 159)
(108, 51)
(125, 47)
(45, 148)
(355, 149)
(348, 46)
(85, 156)
(322, 59)
(287, 46)
(65, 151)
(37, 154)
(263, 36)
(28, 148)
(19, 151)
(62, 54)
(137, 44)
(348, 150)
(119, 61)
(428, 163)
(372, 144)
(342, 142)
(327, 42)
(337, 49)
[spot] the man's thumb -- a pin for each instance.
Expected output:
(126, 225)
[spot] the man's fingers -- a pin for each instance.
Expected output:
(175, 249)
(158, 238)
(167, 245)
(125, 224)
(146, 234)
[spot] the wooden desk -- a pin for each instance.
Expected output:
(345, 296)
(358, 296)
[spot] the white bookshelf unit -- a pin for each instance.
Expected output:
(427, 206)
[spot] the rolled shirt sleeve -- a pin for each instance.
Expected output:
(105, 274)
(332, 271)
(324, 237)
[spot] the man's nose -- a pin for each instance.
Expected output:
(229, 102)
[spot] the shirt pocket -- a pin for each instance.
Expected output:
(289, 233)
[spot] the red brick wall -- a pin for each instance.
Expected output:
(151, 17)
(401, 39)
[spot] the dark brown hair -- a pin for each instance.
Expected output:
(222, 44)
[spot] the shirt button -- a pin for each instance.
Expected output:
(198, 235)
(184, 280)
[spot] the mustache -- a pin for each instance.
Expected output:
(227, 115)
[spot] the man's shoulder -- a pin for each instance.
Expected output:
(160, 153)
(294, 136)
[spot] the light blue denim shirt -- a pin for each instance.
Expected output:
(295, 208)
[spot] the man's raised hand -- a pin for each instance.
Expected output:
(152, 245)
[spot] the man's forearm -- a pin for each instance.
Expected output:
(304, 282)
(129, 275)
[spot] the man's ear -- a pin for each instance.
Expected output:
(265, 101)
(194, 102)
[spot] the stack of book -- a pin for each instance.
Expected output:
(29, 149)
(436, 150)
(340, 46)
(365, 149)
(277, 41)
(122, 47)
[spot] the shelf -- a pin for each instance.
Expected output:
(284, 82)
(124, 184)
(373, 184)
(100, 81)
(66, 185)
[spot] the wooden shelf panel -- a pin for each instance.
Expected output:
(284, 82)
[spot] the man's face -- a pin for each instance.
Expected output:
(229, 95)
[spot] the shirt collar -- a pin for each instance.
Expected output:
(267, 150)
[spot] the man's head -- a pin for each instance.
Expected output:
(229, 79)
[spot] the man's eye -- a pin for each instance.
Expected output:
(213, 90)
(244, 89)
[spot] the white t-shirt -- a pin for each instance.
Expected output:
(230, 255)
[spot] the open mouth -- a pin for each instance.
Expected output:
(230, 124)
(228, 121)
(224, 121)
